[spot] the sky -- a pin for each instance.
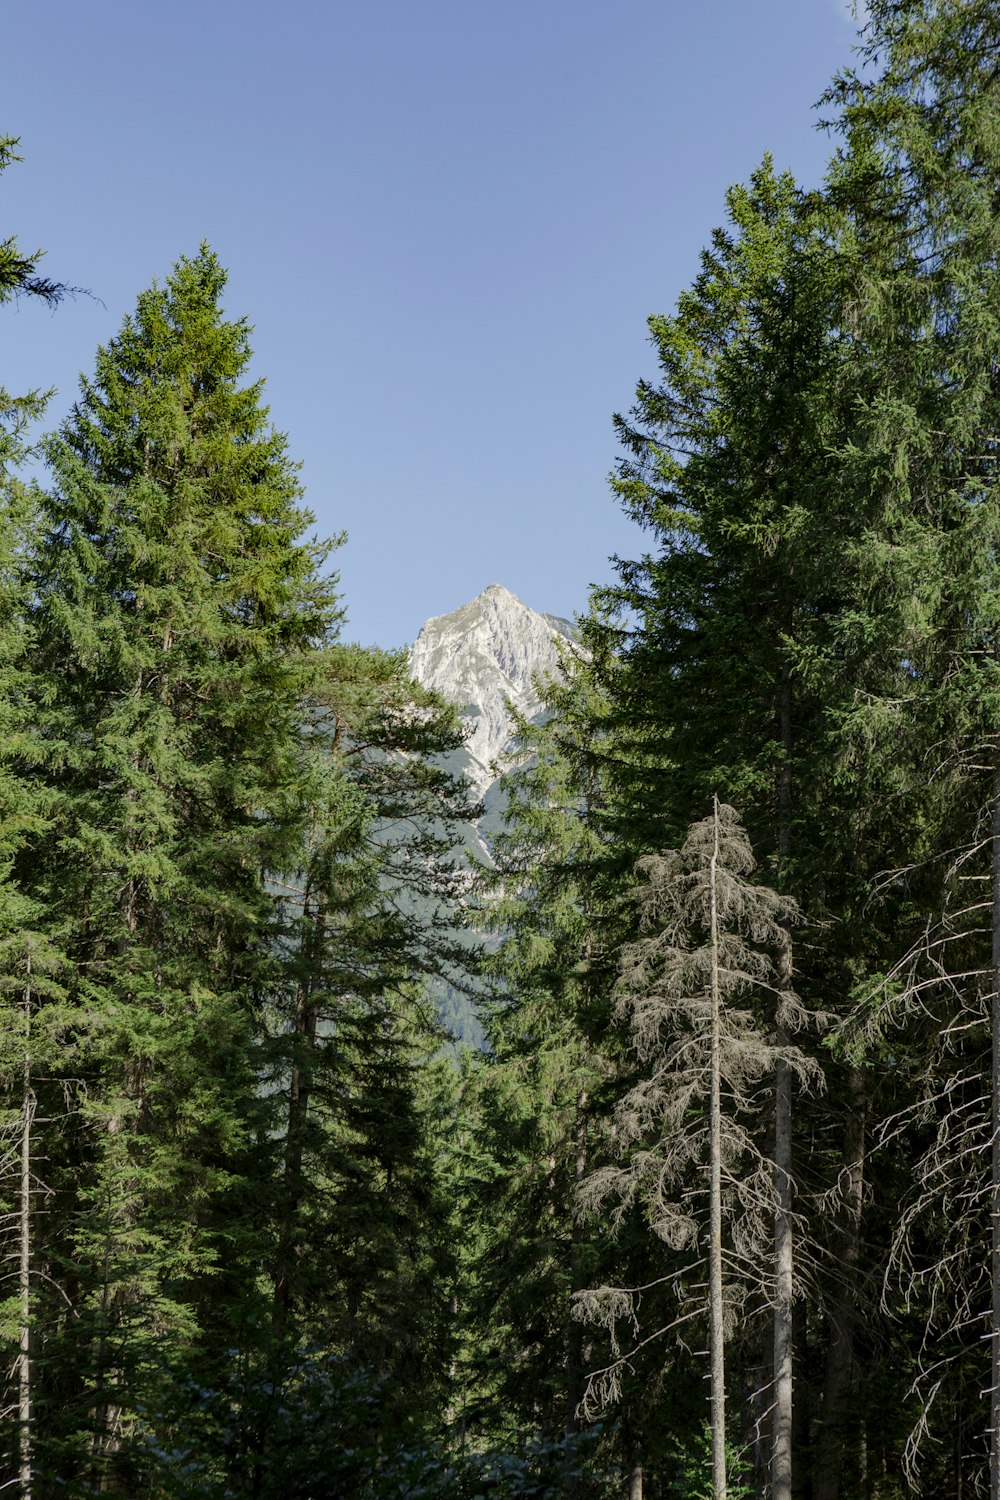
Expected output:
(448, 222)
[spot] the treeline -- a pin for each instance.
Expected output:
(715, 1212)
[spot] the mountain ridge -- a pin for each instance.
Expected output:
(484, 657)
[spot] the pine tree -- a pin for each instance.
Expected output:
(25, 962)
(749, 633)
(361, 1235)
(29, 961)
(177, 613)
(19, 276)
(535, 1094)
(558, 901)
(926, 118)
(362, 1250)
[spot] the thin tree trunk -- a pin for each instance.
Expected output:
(105, 1413)
(830, 1444)
(781, 1421)
(803, 1404)
(24, 1269)
(781, 1429)
(995, 1184)
(574, 1339)
(718, 1397)
(299, 1092)
(635, 1483)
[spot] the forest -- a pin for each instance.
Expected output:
(715, 1211)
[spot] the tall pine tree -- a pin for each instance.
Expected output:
(177, 609)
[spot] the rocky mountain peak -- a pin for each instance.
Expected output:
(483, 657)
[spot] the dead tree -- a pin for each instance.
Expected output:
(938, 1010)
(698, 991)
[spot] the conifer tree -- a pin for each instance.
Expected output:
(177, 610)
(19, 276)
(25, 959)
(731, 514)
(28, 958)
(559, 902)
(925, 117)
(361, 1250)
(549, 902)
(748, 635)
(703, 1055)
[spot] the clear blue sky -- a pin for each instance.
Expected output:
(447, 219)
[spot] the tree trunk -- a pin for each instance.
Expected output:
(718, 1397)
(995, 1183)
(781, 1420)
(803, 1403)
(299, 1092)
(24, 1268)
(635, 1483)
(574, 1334)
(840, 1358)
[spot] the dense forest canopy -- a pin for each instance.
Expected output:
(716, 1209)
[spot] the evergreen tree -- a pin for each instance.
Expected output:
(926, 119)
(177, 611)
(362, 1251)
(750, 632)
(28, 959)
(536, 1093)
(559, 903)
(19, 276)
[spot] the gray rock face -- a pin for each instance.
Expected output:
(483, 657)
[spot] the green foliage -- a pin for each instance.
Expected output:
(238, 833)
(175, 614)
(19, 277)
(694, 1477)
(315, 1427)
(281, 1243)
(531, 1099)
(362, 1247)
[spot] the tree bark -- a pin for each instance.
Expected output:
(781, 1420)
(781, 1428)
(299, 1092)
(995, 1182)
(24, 1268)
(574, 1335)
(840, 1358)
(718, 1396)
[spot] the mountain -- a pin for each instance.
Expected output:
(483, 657)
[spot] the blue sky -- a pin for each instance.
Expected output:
(447, 220)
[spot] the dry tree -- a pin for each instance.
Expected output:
(934, 1022)
(706, 1016)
